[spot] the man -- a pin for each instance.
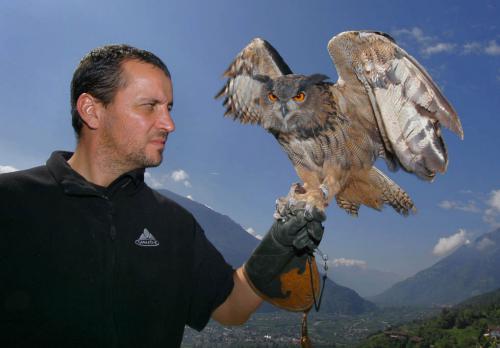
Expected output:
(91, 256)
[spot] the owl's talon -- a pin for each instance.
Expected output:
(308, 211)
(292, 202)
(324, 190)
(299, 189)
(280, 208)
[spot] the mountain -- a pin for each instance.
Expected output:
(365, 281)
(471, 270)
(232, 241)
(491, 298)
(339, 299)
(236, 245)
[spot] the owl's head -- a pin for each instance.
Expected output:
(289, 102)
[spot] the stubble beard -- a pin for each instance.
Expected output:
(142, 160)
(124, 161)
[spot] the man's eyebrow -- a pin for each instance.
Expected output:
(150, 100)
(155, 101)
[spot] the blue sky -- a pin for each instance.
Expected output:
(240, 170)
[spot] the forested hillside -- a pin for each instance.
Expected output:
(472, 323)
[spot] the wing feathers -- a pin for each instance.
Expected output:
(407, 106)
(373, 189)
(242, 89)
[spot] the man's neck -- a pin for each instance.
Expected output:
(96, 167)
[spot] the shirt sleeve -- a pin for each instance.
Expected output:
(212, 281)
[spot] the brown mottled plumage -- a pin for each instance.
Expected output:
(384, 104)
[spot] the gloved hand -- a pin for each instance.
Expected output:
(300, 228)
(278, 270)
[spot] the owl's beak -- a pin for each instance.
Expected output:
(284, 110)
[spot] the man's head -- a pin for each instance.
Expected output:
(100, 75)
(121, 99)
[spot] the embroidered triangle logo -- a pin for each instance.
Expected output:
(146, 239)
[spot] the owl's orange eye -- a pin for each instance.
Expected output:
(272, 97)
(299, 97)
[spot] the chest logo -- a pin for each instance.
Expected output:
(146, 239)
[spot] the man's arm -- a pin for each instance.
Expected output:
(240, 304)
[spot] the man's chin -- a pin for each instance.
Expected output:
(145, 160)
(153, 161)
(152, 164)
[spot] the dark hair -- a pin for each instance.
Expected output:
(100, 74)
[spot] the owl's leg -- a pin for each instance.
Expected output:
(313, 194)
(305, 196)
(299, 198)
(330, 187)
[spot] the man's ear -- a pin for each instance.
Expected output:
(88, 108)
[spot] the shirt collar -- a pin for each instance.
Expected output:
(75, 184)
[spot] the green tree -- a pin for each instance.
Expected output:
(446, 342)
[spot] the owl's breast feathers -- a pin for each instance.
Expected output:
(328, 139)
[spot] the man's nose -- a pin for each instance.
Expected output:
(165, 121)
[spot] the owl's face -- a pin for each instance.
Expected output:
(289, 101)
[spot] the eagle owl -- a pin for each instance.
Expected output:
(384, 104)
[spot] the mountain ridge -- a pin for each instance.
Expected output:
(471, 270)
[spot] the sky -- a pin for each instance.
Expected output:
(240, 170)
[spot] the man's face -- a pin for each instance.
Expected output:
(137, 122)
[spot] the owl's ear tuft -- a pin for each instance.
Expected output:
(262, 78)
(316, 78)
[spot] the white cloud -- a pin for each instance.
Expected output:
(428, 45)
(253, 233)
(493, 49)
(446, 245)
(181, 176)
(492, 213)
(438, 48)
(494, 201)
(486, 204)
(347, 263)
(161, 182)
(485, 243)
(154, 181)
(472, 47)
(7, 169)
(415, 33)
(470, 206)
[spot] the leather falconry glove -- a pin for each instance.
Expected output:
(279, 270)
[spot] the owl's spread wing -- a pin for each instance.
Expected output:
(402, 101)
(242, 89)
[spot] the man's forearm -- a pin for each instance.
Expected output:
(240, 304)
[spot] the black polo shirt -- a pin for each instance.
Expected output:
(82, 265)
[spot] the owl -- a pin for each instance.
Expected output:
(384, 104)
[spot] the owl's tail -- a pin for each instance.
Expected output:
(373, 189)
